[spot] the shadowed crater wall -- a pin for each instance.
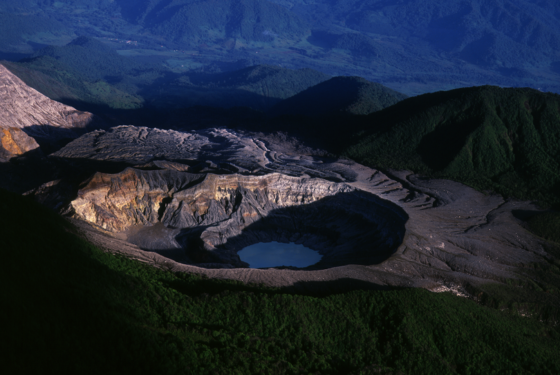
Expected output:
(347, 228)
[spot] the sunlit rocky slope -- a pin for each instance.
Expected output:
(24, 111)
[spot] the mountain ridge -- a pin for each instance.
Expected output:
(348, 95)
(499, 138)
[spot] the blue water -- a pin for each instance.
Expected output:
(275, 254)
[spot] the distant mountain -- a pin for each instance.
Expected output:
(194, 22)
(507, 140)
(352, 95)
(412, 46)
(498, 33)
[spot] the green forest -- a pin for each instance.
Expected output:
(74, 308)
(89, 75)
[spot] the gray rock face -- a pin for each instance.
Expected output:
(141, 145)
(390, 229)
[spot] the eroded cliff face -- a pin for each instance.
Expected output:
(180, 199)
(218, 215)
(133, 197)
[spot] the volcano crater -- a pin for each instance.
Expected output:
(204, 220)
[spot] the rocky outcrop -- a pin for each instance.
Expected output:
(14, 142)
(181, 199)
(133, 197)
(140, 145)
(25, 108)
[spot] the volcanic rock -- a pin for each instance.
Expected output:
(216, 150)
(14, 142)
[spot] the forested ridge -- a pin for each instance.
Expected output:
(347, 95)
(501, 139)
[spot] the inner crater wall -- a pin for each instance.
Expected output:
(214, 216)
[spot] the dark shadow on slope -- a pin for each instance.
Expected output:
(25, 172)
(442, 145)
(178, 91)
(172, 117)
(525, 215)
(12, 56)
(52, 138)
(182, 97)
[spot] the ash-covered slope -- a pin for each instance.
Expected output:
(24, 107)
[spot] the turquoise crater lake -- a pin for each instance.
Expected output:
(276, 254)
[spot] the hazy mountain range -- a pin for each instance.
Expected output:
(412, 46)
